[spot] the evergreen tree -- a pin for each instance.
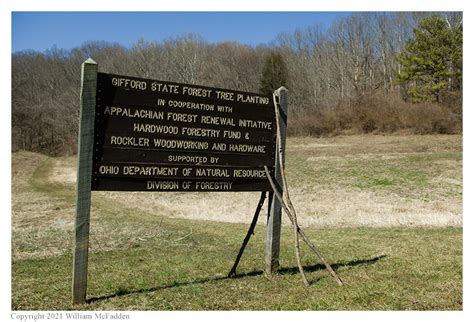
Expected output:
(274, 74)
(432, 60)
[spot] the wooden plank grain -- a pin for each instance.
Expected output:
(272, 246)
(105, 81)
(138, 124)
(84, 170)
(145, 184)
(176, 171)
(165, 127)
(121, 154)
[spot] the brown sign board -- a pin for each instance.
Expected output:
(151, 135)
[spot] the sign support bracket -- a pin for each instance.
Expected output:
(250, 232)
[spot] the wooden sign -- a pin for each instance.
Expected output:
(151, 135)
(147, 135)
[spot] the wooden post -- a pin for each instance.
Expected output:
(84, 174)
(272, 247)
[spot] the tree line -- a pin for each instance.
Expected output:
(367, 72)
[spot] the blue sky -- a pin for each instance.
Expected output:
(42, 30)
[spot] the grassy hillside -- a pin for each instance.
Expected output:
(146, 258)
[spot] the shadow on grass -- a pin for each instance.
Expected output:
(335, 266)
(284, 270)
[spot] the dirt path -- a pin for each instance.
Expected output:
(37, 217)
(31, 207)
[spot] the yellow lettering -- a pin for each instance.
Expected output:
(196, 91)
(129, 141)
(227, 96)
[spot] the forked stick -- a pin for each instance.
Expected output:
(300, 232)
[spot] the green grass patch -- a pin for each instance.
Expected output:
(407, 166)
(143, 261)
(383, 269)
(379, 176)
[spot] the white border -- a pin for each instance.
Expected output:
(241, 5)
(244, 5)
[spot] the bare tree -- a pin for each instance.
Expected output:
(335, 74)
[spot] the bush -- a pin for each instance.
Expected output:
(375, 114)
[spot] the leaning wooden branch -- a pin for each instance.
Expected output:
(305, 238)
(290, 210)
(286, 195)
(249, 234)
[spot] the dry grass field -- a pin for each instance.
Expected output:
(375, 181)
(386, 211)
